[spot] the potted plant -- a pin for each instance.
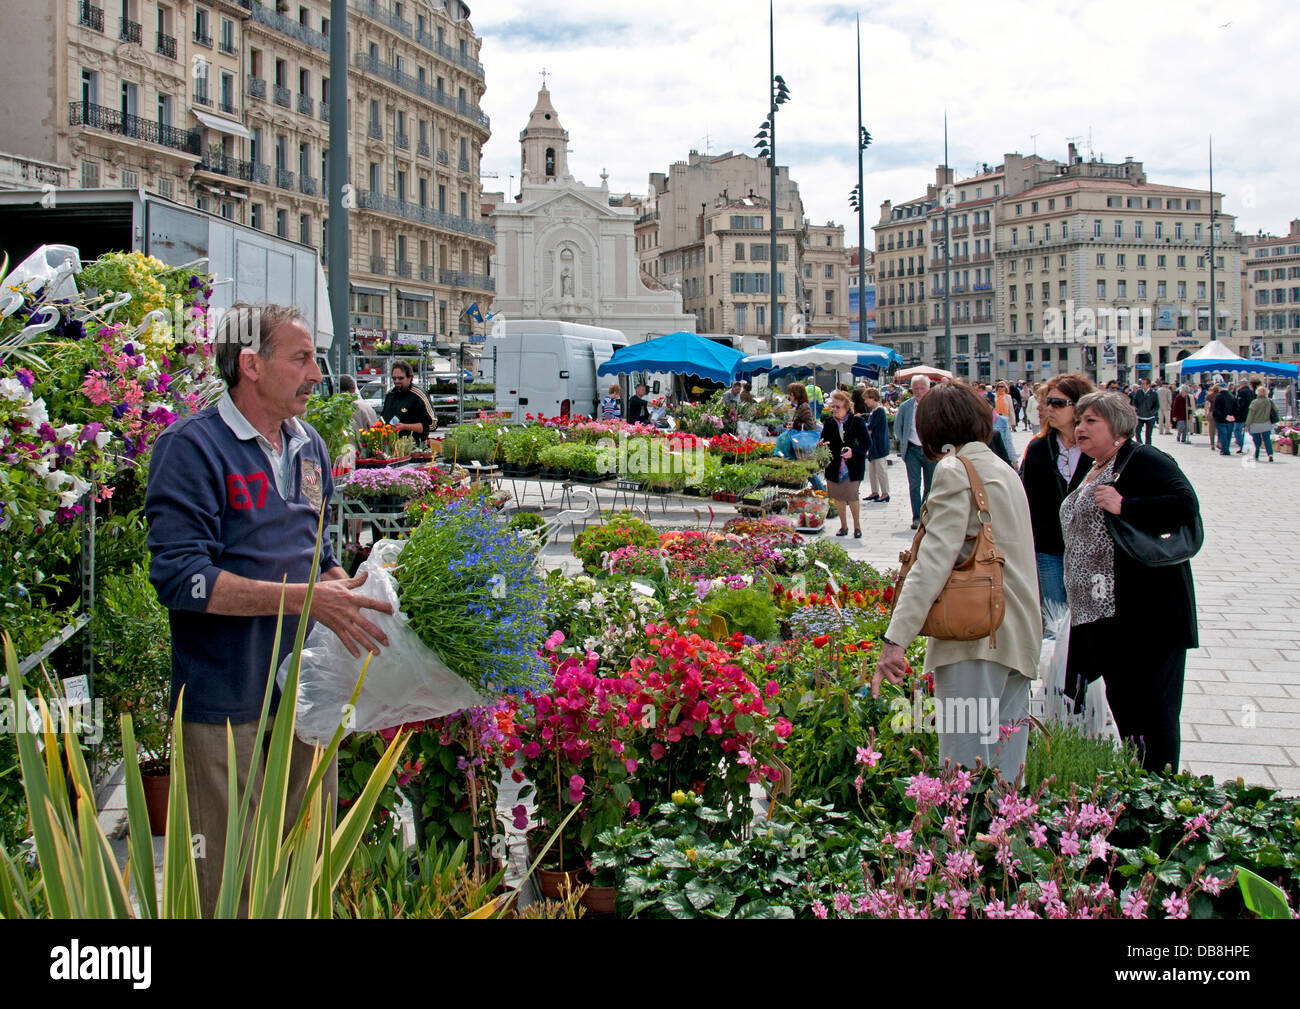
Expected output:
(732, 481)
(132, 643)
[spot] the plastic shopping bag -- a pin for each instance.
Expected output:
(405, 682)
(1095, 719)
(805, 443)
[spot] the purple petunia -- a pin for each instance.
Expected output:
(119, 411)
(25, 377)
(89, 432)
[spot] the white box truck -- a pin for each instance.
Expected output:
(247, 265)
(549, 368)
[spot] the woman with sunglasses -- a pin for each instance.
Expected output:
(1051, 470)
(846, 435)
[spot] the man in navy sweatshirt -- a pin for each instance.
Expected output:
(234, 498)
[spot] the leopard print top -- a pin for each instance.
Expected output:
(1089, 552)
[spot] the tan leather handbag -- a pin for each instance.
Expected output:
(971, 605)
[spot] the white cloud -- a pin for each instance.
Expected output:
(638, 87)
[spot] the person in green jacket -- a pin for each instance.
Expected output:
(1260, 419)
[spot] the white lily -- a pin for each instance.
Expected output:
(66, 431)
(45, 516)
(57, 479)
(12, 389)
(35, 412)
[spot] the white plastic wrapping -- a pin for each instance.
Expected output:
(52, 265)
(1095, 719)
(405, 682)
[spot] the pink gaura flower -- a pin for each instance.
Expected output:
(868, 755)
(1175, 906)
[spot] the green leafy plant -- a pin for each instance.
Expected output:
(292, 873)
(749, 611)
(619, 530)
(1063, 751)
(331, 416)
(133, 662)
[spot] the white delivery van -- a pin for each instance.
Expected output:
(549, 368)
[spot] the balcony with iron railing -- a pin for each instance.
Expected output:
(961, 231)
(91, 17)
(284, 178)
(463, 164)
(257, 88)
(378, 264)
(983, 229)
(450, 53)
(227, 46)
(202, 38)
(385, 16)
(443, 158)
(375, 131)
(217, 162)
(262, 174)
(273, 19)
(422, 149)
(403, 141)
(646, 218)
(408, 83)
(428, 274)
(166, 46)
(370, 200)
(305, 104)
(228, 107)
(203, 98)
(99, 117)
(282, 96)
(306, 185)
(460, 278)
(129, 31)
(325, 111)
(402, 268)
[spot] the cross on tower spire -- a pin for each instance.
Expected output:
(544, 74)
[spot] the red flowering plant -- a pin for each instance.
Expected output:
(733, 449)
(685, 715)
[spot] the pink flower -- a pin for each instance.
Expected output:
(532, 750)
(554, 641)
(1038, 835)
(657, 751)
(1134, 905)
(1175, 906)
(868, 755)
(783, 727)
(1070, 843)
(634, 808)
(772, 689)
(631, 766)
(818, 909)
(1098, 846)
(520, 814)
(1213, 885)
(576, 784)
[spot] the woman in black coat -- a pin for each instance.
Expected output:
(846, 435)
(1053, 466)
(878, 447)
(1130, 623)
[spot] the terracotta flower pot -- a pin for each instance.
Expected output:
(156, 777)
(599, 899)
(552, 882)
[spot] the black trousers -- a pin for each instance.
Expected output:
(1146, 701)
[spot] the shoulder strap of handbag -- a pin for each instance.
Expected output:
(981, 502)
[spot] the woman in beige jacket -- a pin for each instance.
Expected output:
(981, 690)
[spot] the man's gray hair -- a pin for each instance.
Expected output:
(1112, 407)
(249, 327)
(923, 379)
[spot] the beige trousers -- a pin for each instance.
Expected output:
(206, 784)
(878, 472)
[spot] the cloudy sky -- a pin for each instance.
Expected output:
(639, 85)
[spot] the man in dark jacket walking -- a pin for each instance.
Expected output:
(1226, 417)
(1147, 405)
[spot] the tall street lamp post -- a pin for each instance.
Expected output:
(778, 94)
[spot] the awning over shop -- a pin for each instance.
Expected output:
(222, 125)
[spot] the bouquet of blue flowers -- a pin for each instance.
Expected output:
(471, 592)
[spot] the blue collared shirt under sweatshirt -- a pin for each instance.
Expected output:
(214, 504)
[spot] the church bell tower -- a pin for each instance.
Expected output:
(544, 144)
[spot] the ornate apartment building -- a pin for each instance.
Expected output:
(224, 105)
(1045, 260)
(825, 281)
(1270, 319)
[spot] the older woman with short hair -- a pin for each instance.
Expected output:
(990, 674)
(846, 435)
(1130, 623)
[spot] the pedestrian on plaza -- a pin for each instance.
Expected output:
(1226, 417)
(1180, 411)
(859, 400)
(920, 468)
(1000, 442)
(406, 407)
(846, 436)
(1002, 401)
(1017, 404)
(1116, 600)
(233, 502)
(1260, 419)
(1033, 408)
(990, 673)
(363, 415)
(878, 447)
(1051, 470)
(1146, 403)
(1207, 397)
(1166, 397)
(1245, 396)
(803, 413)
(611, 407)
(732, 395)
